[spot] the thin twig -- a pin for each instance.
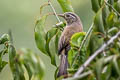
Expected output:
(112, 8)
(80, 76)
(54, 10)
(46, 4)
(83, 42)
(91, 58)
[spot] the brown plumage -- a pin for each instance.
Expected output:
(74, 25)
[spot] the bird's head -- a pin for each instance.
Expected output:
(70, 17)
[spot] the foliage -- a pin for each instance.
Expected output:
(105, 66)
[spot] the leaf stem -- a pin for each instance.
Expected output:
(46, 4)
(54, 10)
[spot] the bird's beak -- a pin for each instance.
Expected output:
(61, 15)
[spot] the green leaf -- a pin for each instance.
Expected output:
(113, 20)
(34, 61)
(105, 75)
(98, 68)
(105, 13)
(116, 0)
(98, 22)
(110, 19)
(4, 38)
(28, 71)
(40, 34)
(95, 5)
(77, 38)
(116, 65)
(117, 6)
(16, 67)
(71, 56)
(66, 5)
(2, 64)
(12, 54)
(55, 75)
(111, 2)
(50, 34)
(95, 42)
(57, 40)
(3, 52)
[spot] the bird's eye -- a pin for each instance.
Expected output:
(67, 15)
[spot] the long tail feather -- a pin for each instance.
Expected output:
(63, 66)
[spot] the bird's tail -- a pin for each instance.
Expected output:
(63, 66)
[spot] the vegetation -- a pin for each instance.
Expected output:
(94, 55)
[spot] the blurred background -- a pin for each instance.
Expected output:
(20, 16)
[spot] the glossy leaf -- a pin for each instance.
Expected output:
(12, 54)
(98, 22)
(95, 5)
(40, 34)
(2, 64)
(4, 38)
(96, 41)
(98, 68)
(16, 67)
(105, 13)
(71, 56)
(111, 2)
(110, 19)
(57, 40)
(65, 5)
(33, 60)
(107, 72)
(117, 6)
(29, 71)
(77, 38)
(50, 34)
(117, 67)
(55, 75)
(3, 52)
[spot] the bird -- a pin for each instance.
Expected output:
(73, 25)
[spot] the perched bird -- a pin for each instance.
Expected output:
(73, 25)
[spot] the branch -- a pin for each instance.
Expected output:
(112, 8)
(41, 7)
(80, 76)
(83, 42)
(81, 69)
(54, 10)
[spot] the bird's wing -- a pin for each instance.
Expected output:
(62, 44)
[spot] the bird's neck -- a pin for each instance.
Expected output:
(77, 24)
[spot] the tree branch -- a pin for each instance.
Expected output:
(81, 69)
(42, 6)
(112, 8)
(83, 42)
(80, 76)
(54, 11)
